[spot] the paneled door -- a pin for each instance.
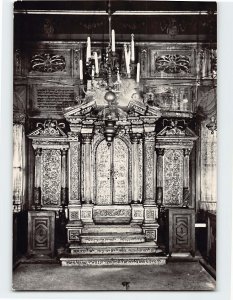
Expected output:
(112, 172)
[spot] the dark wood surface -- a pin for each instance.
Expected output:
(180, 230)
(41, 231)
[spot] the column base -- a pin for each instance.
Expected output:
(74, 230)
(137, 213)
(150, 224)
(87, 214)
(150, 231)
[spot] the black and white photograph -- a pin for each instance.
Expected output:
(114, 146)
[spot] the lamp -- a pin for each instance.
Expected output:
(106, 68)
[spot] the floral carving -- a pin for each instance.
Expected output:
(172, 64)
(149, 167)
(75, 171)
(51, 177)
(48, 63)
(173, 177)
(49, 128)
(112, 212)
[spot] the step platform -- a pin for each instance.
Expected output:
(111, 260)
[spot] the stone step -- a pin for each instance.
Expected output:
(115, 260)
(105, 239)
(114, 229)
(139, 248)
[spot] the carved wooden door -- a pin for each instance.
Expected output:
(112, 173)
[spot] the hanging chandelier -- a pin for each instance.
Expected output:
(106, 70)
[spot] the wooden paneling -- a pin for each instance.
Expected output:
(180, 230)
(41, 231)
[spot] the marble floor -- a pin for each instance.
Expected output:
(179, 276)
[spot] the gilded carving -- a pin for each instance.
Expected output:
(75, 171)
(103, 181)
(86, 214)
(49, 128)
(51, 177)
(140, 170)
(112, 212)
(74, 235)
(47, 63)
(120, 172)
(173, 177)
(112, 167)
(149, 174)
(150, 214)
(114, 261)
(172, 64)
(74, 215)
(138, 214)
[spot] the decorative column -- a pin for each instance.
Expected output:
(150, 224)
(63, 178)
(37, 185)
(19, 154)
(186, 189)
(74, 225)
(137, 208)
(87, 207)
(160, 154)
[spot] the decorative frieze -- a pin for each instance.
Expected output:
(173, 177)
(51, 177)
(149, 168)
(87, 213)
(113, 261)
(47, 63)
(172, 64)
(74, 174)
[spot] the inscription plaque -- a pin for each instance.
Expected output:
(54, 99)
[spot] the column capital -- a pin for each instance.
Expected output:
(149, 136)
(86, 138)
(63, 151)
(187, 151)
(38, 151)
(160, 151)
(135, 137)
(19, 118)
(74, 136)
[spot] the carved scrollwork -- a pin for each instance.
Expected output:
(51, 177)
(173, 177)
(172, 64)
(49, 128)
(47, 63)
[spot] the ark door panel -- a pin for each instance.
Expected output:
(103, 180)
(112, 182)
(120, 172)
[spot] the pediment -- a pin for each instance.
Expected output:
(141, 109)
(176, 131)
(80, 110)
(50, 128)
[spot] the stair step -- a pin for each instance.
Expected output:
(103, 239)
(115, 260)
(116, 229)
(137, 248)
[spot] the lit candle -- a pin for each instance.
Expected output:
(113, 40)
(132, 47)
(96, 63)
(81, 69)
(88, 48)
(127, 59)
(138, 73)
(118, 76)
(93, 72)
